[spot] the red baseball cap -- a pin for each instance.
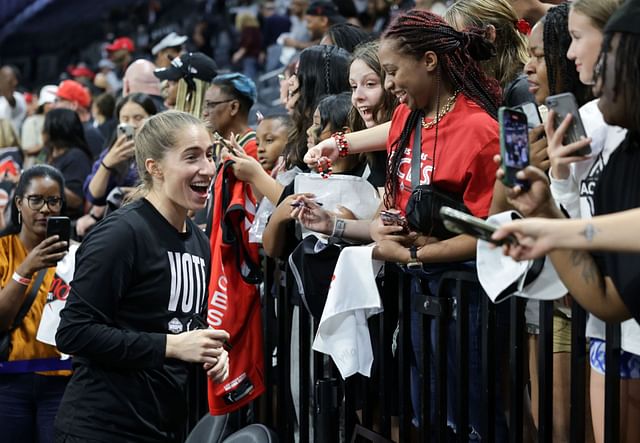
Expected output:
(82, 71)
(121, 43)
(74, 92)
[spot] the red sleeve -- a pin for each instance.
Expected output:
(251, 148)
(481, 176)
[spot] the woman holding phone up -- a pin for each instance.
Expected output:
(139, 287)
(115, 167)
(33, 378)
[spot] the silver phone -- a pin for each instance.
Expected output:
(563, 105)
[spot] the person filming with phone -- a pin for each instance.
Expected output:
(115, 166)
(32, 376)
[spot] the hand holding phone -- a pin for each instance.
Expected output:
(394, 219)
(563, 105)
(221, 140)
(60, 226)
(514, 145)
(126, 130)
(461, 223)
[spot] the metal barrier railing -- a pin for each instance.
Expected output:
(321, 407)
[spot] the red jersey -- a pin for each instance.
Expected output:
(468, 138)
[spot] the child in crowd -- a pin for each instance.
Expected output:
(271, 138)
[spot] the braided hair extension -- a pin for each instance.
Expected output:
(561, 72)
(417, 32)
(627, 75)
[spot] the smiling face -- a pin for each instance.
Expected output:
(366, 91)
(536, 67)
(406, 77)
(271, 137)
(35, 220)
(186, 170)
(586, 40)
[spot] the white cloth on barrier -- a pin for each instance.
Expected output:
(353, 297)
(502, 277)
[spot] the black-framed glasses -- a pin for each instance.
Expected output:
(209, 105)
(36, 202)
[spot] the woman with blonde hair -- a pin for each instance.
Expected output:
(139, 289)
(502, 27)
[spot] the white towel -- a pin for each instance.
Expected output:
(353, 297)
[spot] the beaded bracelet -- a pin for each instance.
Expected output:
(341, 143)
(321, 169)
(20, 279)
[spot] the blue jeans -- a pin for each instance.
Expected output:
(430, 277)
(28, 406)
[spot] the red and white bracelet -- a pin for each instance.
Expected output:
(341, 143)
(20, 279)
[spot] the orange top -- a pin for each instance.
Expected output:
(23, 339)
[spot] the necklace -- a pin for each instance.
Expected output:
(446, 108)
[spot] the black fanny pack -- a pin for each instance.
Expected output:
(423, 207)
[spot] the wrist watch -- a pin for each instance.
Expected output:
(414, 263)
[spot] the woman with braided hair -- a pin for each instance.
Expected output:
(447, 100)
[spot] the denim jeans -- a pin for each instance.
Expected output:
(430, 277)
(28, 406)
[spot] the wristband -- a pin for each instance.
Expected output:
(93, 216)
(338, 228)
(20, 279)
(108, 168)
(342, 143)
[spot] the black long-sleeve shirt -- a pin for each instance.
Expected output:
(137, 279)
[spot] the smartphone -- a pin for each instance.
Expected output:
(60, 226)
(563, 105)
(127, 130)
(532, 112)
(220, 139)
(392, 219)
(462, 223)
(514, 145)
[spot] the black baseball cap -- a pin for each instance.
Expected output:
(191, 65)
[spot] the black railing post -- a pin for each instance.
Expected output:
(488, 313)
(306, 382)
(404, 357)
(578, 374)
(545, 371)
(516, 368)
(612, 384)
(462, 348)
(286, 414)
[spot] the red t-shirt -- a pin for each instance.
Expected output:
(468, 138)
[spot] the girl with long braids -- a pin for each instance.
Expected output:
(433, 70)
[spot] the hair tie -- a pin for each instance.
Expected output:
(523, 26)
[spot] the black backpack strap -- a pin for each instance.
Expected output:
(416, 152)
(26, 305)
